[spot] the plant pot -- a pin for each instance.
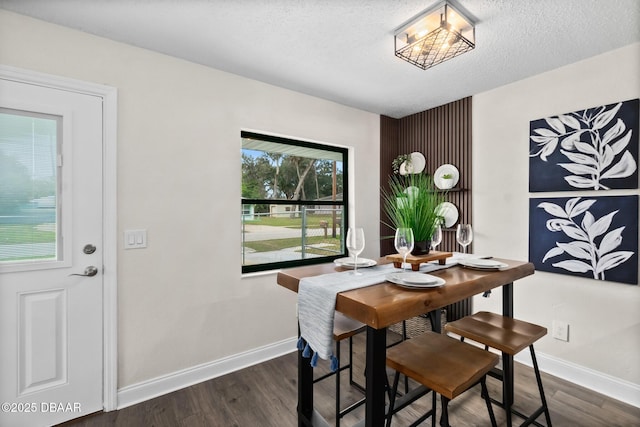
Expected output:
(446, 183)
(421, 248)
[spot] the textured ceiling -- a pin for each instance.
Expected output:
(342, 50)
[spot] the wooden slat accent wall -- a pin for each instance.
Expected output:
(443, 135)
(389, 150)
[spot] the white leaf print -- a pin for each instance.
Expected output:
(556, 224)
(612, 260)
(601, 225)
(556, 124)
(548, 149)
(571, 203)
(610, 241)
(553, 209)
(583, 246)
(570, 121)
(574, 266)
(574, 232)
(569, 142)
(594, 152)
(555, 251)
(605, 117)
(581, 207)
(542, 139)
(607, 158)
(615, 131)
(545, 132)
(580, 158)
(579, 169)
(624, 168)
(587, 221)
(580, 182)
(576, 249)
(622, 143)
(585, 148)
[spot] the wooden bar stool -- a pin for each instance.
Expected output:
(510, 336)
(443, 365)
(344, 327)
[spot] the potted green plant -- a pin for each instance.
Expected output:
(397, 164)
(412, 201)
(446, 181)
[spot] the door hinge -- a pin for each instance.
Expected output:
(59, 160)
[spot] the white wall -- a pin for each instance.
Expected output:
(604, 317)
(182, 301)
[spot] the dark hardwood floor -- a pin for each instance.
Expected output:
(266, 395)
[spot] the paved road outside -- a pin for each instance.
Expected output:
(256, 232)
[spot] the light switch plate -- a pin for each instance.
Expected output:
(135, 239)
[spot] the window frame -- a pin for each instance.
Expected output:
(344, 203)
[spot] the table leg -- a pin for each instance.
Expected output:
(507, 359)
(376, 377)
(305, 390)
(435, 317)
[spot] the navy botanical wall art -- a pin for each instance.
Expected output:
(592, 149)
(594, 237)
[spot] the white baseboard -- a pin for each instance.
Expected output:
(136, 393)
(613, 387)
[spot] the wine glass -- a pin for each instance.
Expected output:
(436, 237)
(404, 243)
(464, 236)
(355, 244)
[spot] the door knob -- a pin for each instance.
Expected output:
(89, 272)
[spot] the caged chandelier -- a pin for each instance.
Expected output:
(436, 35)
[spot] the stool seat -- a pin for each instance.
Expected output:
(444, 366)
(441, 363)
(345, 327)
(503, 333)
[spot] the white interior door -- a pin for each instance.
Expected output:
(51, 330)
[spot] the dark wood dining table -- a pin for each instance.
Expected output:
(385, 304)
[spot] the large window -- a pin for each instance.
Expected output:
(294, 206)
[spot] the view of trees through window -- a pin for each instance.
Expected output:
(292, 201)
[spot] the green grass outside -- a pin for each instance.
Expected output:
(17, 234)
(285, 221)
(279, 244)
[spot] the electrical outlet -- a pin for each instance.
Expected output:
(560, 330)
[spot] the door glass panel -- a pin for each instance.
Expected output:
(29, 186)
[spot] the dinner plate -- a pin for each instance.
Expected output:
(415, 280)
(350, 262)
(449, 212)
(418, 163)
(443, 170)
(483, 264)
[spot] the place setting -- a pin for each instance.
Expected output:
(464, 236)
(355, 245)
(414, 280)
(404, 242)
(352, 263)
(482, 264)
